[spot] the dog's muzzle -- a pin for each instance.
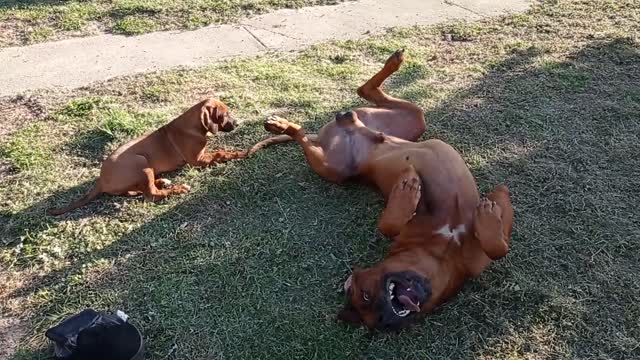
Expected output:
(403, 293)
(230, 124)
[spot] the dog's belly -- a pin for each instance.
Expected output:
(345, 149)
(447, 183)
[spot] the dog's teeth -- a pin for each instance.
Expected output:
(392, 297)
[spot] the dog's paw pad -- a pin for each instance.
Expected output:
(275, 124)
(411, 185)
(489, 208)
(488, 221)
(396, 59)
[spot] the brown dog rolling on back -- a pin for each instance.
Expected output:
(443, 232)
(132, 169)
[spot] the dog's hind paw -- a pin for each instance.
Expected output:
(277, 125)
(395, 60)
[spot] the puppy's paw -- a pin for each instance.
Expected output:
(181, 189)
(163, 183)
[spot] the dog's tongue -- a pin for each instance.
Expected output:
(405, 296)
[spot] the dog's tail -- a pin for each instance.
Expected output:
(275, 140)
(94, 193)
(268, 142)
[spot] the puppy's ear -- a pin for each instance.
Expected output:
(350, 315)
(208, 117)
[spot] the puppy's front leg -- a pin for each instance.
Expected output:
(212, 158)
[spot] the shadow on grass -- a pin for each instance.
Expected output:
(90, 144)
(21, 226)
(29, 3)
(252, 263)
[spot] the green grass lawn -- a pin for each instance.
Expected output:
(31, 21)
(250, 264)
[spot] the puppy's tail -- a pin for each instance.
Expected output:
(94, 193)
(274, 140)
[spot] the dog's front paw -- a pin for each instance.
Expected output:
(488, 221)
(181, 189)
(163, 183)
(405, 196)
(408, 193)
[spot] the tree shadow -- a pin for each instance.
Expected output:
(33, 219)
(243, 266)
(90, 144)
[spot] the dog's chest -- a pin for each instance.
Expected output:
(453, 233)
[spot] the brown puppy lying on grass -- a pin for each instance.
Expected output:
(133, 168)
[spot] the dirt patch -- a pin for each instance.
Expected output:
(6, 170)
(11, 331)
(10, 34)
(17, 113)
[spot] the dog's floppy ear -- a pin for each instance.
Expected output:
(348, 284)
(350, 315)
(208, 118)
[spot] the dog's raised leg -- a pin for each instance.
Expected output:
(372, 89)
(402, 203)
(493, 221)
(408, 122)
(312, 151)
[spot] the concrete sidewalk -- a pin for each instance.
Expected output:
(78, 62)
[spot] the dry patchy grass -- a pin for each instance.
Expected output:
(32, 21)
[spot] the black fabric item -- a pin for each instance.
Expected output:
(93, 336)
(64, 335)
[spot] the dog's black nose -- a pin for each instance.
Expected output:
(346, 114)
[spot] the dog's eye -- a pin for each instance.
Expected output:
(365, 296)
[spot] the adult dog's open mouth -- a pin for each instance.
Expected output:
(403, 298)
